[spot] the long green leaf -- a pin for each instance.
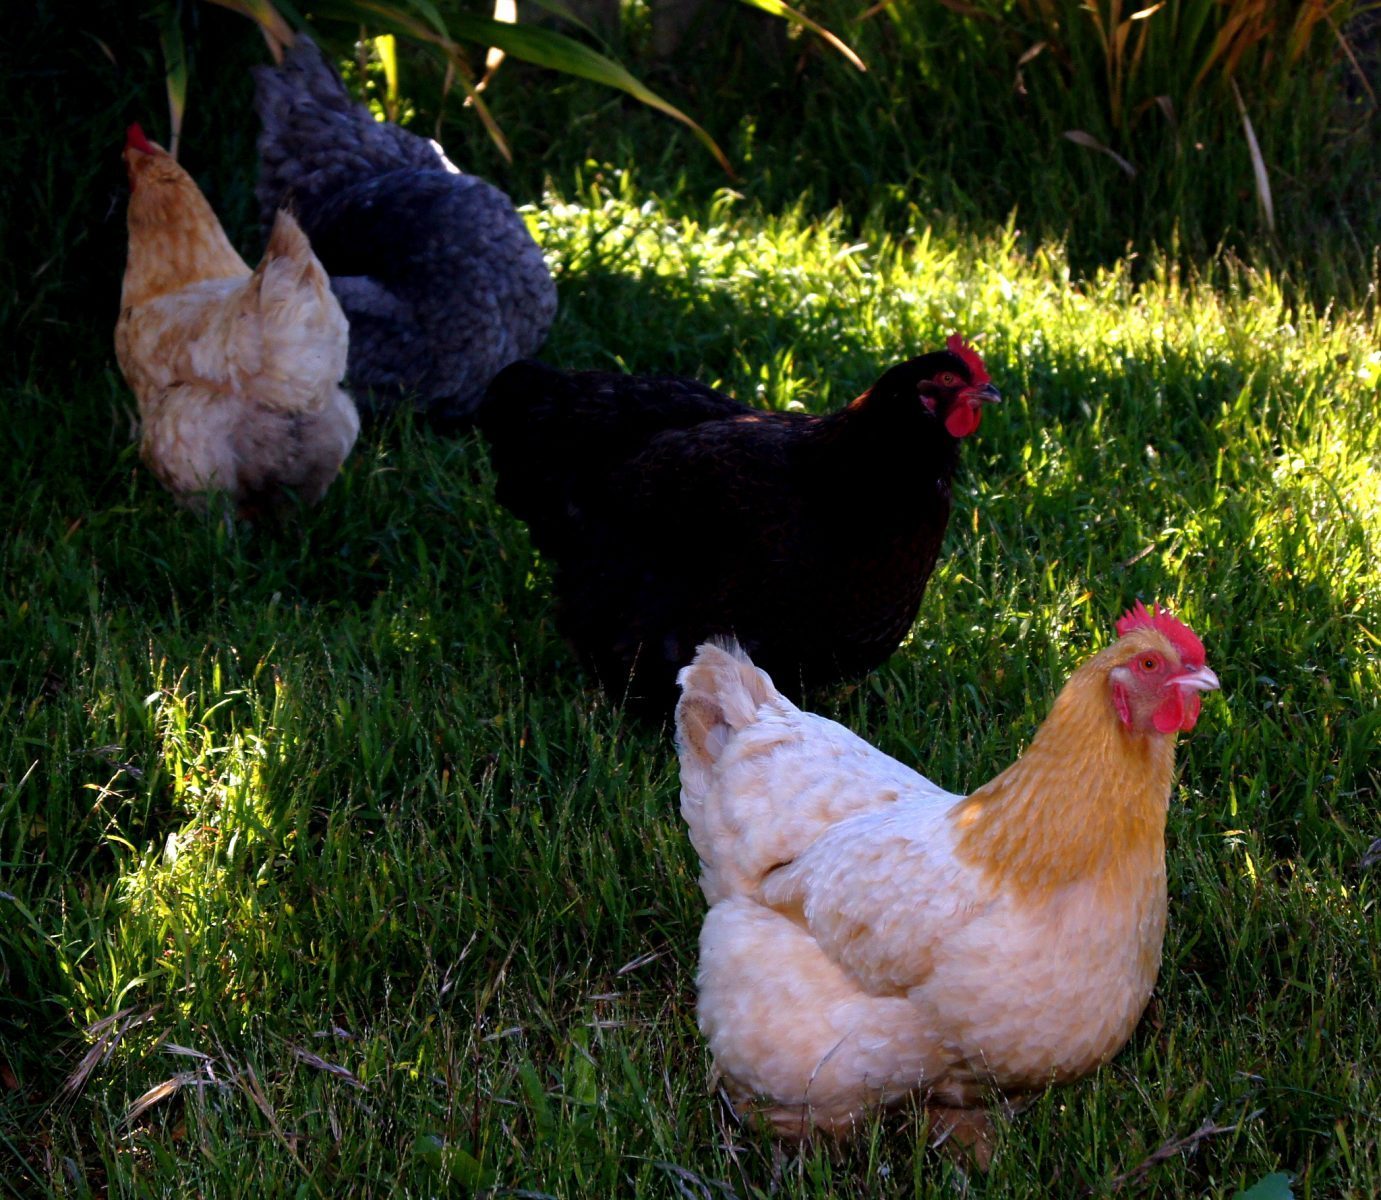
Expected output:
(557, 9)
(1263, 179)
(544, 48)
(276, 30)
(786, 12)
(460, 69)
(279, 33)
(428, 10)
(175, 68)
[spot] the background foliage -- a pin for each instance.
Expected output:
(323, 872)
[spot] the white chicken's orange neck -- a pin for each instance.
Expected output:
(1087, 801)
(174, 240)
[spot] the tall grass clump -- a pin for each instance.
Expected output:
(1117, 129)
(1196, 128)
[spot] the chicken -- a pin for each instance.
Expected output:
(236, 372)
(871, 935)
(439, 276)
(673, 513)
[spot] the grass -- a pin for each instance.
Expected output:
(325, 872)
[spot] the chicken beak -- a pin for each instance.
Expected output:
(1200, 679)
(987, 394)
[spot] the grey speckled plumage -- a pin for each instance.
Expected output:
(439, 277)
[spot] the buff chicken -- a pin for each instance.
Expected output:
(871, 936)
(237, 372)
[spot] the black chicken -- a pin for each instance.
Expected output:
(672, 512)
(438, 275)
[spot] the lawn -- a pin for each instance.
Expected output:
(324, 869)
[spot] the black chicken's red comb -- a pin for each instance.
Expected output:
(977, 371)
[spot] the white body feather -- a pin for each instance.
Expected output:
(849, 955)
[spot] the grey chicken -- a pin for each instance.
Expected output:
(440, 279)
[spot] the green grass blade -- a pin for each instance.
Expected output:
(786, 12)
(175, 63)
(1263, 180)
(545, 48)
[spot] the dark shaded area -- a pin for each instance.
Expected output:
(939, 131)
(74, 76)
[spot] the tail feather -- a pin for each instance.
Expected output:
(286, 240)
(722, 692)
(305, 334)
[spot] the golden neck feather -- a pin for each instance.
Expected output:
(174, 238)
(1086, 801)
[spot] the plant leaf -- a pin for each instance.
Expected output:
(1223, 45)
(778, 9)
(1352, 58)
(277, 32)
(1080, 138)
(557, 9)
(387, 50)
(1263, 181)
(505, 11)
(175, 66)
(544, 48)
(1275, 1186)
(161, 1091)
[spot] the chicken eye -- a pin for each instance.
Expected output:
(1149, 663)
(947, 379)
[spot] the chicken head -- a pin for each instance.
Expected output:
(1155, 689)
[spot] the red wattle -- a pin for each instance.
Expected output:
(963, 419)
(1170, 715)
(1122, 704)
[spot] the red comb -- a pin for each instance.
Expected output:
(1184, 639)
(977, 371)
(134, 136)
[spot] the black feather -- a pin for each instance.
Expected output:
(673, 513)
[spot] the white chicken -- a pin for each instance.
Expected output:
(871, 935)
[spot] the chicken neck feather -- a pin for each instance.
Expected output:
(1088, 798)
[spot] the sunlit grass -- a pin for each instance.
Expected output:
(394, 902)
